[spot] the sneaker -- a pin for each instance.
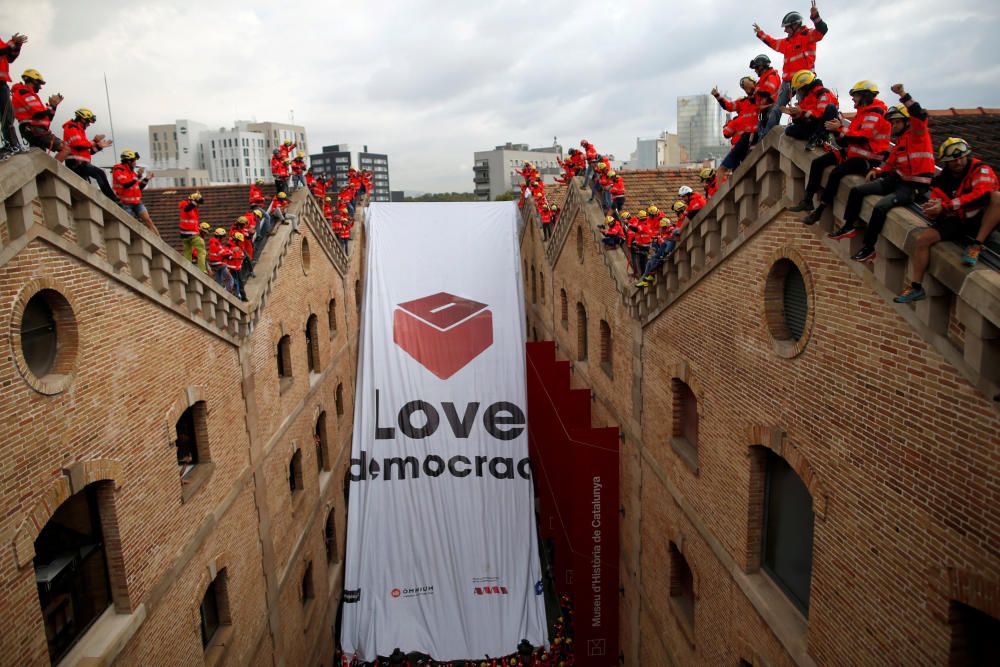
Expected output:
(864, 255)
(845, 232)
(911, 294)
(805, 205)
(642, 283)
(813, 216)
(971, 255)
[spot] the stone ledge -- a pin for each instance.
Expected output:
(105, 639)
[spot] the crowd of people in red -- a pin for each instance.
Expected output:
(228, 254)
(559, 654)
(533, 185)
(890, 146)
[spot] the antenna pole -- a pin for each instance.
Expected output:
(111, 121)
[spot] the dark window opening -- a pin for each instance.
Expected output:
(319, 437)
(685, 408)
(285, 357)
(295, 472)
(192, 438)
(796, 303)
(564, 308)
(312, 343)
(788, 531)
(338, 400)
(681, 585)
(209, 615)
(973, 636)
(331, 315)
(308, 592)
(581, 332)
(330, 538)
(39, 337)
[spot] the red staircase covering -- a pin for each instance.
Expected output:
(575, 468)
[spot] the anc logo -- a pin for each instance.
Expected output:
(443, 332)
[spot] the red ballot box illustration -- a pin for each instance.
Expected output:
(443, 332)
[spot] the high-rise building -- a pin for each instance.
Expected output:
(187, 153)
(495, 172)
(335, 160)
(700, 120)
(657, 152)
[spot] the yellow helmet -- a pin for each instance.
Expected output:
(204, 227)
(259, 181)
(327, 199)
(300, 154)
(679, 206)
(85, 114)
(626, 215)
(641, 215)
(664, 223)
(898, 112)
(288, 142)
(129, 154)
(601, 166)
(753, 81)
(864, 86)
(952, 149)
(802, 78)
(219, 231)
(652, 210)
(282, 195)
(612, 173)
(32, 75)
(242, 220)
(706, 174)
(527, 165)
(238, 237)
(609, 219)
(195, 196)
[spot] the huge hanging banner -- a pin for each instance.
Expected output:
(441, 544)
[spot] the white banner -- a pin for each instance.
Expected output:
(441, 544)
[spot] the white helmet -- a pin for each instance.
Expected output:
(684, 190)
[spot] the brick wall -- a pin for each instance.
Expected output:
(896, 447)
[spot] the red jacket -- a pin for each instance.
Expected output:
(278, 167)
(126, 184)
(912, 158)
(278, 203)
(344, 231)
(235, 259)
(618, 187)
(615, 229)
(9, 51)
(256, 196)
(965, 197)
(217, 252)
(868, 135)
(80, 147)
(189, 218)
(298, 165)
(711, 187)
(744, 121)
(694, 204)
(284, 150)
(799, 49)
(328, 210)
(767, 88)
(29, 108)
(816, 101)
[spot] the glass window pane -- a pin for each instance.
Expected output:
(788, 531)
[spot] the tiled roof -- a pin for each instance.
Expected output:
(980, 127)
(221, 205)
(657, 186)
(555, 193)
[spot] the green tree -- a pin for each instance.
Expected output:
(507, 196)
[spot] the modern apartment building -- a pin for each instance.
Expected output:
(495, 171)
(700, 120)
(335, 160)
(657, 152)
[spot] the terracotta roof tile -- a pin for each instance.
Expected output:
(980, 127)
(657, 186)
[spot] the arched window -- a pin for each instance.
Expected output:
(339, 400)
(214, 608)
(564, 308)
(606, 364)
(191, 441)
(581, 332)
(330, 537)
(331, 317)
(681, 588)
(322, 446)
(295, 481)
(307, 591)
(312, 343)
(284, 357)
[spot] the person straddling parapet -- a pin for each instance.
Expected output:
(799, 49)
(903, 178)
(614, 233)
(765, 92)
(865, 145)
(35, 117)
(817, 106)
(964, 205)
(129, 182)
(741, 128)
(710, 180)
(9, 51)
(693, 202)
(218, 256)
(81, 149)
(665, 242)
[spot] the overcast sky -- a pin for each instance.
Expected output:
(429, 83)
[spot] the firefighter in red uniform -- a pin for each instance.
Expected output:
(616, 191)
(693, 202)
(903, 179)
(189, 229)
(740, 130)
(614, 233)
(545, 216)
(298, 171)
(35, 117)
(9, 51)
(590, 156)
(81, 149)
(235, 262)
(641, 241)
(328, 209)
(279, 204)
(218, 253)
(866, 144)
(765, 92)
(279, 171)
(655, 216)
(799, 49)
(286, 148)
(964, 204)
(709, 179)
(345, 228)
(129, 182)
(256, 197)
(817, 106)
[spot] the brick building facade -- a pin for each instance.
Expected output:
(874, 430)
(232, 558)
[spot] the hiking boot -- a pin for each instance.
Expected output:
(813, 216)
(971, 255)
(643, 283)
(846, 232)
(911, 294)
(805, 205)
(864, 255)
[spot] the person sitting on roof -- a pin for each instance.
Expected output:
(614, 233)
(279, 207)
(709, 179)
(964, 205)
(218, 254)
(34, 117)
(766, 92)
(693, 202)
(799, 50)
(903, 178)
(665, 244)
(129, 182)
(817, 106)
(741, 128)
(570, 166)
(81, 149)
(865, 145)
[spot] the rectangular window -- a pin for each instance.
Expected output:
(209, 615)
(788, 531)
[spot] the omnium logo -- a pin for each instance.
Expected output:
(443, 332)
